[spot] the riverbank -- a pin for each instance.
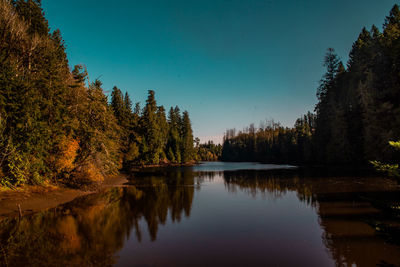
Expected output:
(30, 199)
(321, 220)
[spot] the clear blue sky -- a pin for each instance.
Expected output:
(229, 63)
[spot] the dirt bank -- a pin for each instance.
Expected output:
(35, 198)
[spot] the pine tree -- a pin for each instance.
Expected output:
(117, 104)
(163, 132)
(151, 129)
(324, 107)
(187, 151)
(127, 103)
(54, 123)
(31, 11)
(173, 142)
(99, 135)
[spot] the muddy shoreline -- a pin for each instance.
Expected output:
(31, 199)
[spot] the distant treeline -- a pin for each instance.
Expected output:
(357, 114)
(57, 125)
(271, 142)
(209, 151)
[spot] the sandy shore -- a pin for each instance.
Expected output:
(35, 198)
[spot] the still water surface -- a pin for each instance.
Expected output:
(214, 214)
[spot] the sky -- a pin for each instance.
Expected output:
(229, 63)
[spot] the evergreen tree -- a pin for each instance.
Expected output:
(151, 146)
(127, 103)
(174, 142)
(187, 151)
(324, 108)
(136, 111)
(55, 124)
(31, 11)
(163, 132)
(118, 105)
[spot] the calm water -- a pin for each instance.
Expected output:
(215, 214)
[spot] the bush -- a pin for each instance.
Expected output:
(87, 174)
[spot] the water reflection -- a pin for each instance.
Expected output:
(271, 183)
(89, 230)
(101, 229)
(344, 207)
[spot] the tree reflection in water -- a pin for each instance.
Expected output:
(345, 214)
(91, 229)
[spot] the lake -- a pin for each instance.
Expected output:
(214, 214)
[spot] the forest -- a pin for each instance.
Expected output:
(98, 174)
(357, 114)
(58, 126)
(208, 151)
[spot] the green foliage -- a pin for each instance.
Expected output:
(151, 130)
(174, 135)
(209, 151)
(57, 125)
(272, 143)
(187, 152)
(18, 169)
(133, 153)
(391, 169)
(357, 114)
(31, 12)
(395, 145)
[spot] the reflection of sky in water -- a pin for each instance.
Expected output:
(209, 215)
(228, 227)
(232, 166)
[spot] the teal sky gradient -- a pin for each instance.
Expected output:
(229, 63)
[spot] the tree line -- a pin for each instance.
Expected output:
(208, 151)
(357, 114)
(56, 125)
(271, 142)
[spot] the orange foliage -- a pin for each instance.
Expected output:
(88, 173)
(68, 228)
(68, 150)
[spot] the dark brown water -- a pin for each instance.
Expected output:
(216, 214)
